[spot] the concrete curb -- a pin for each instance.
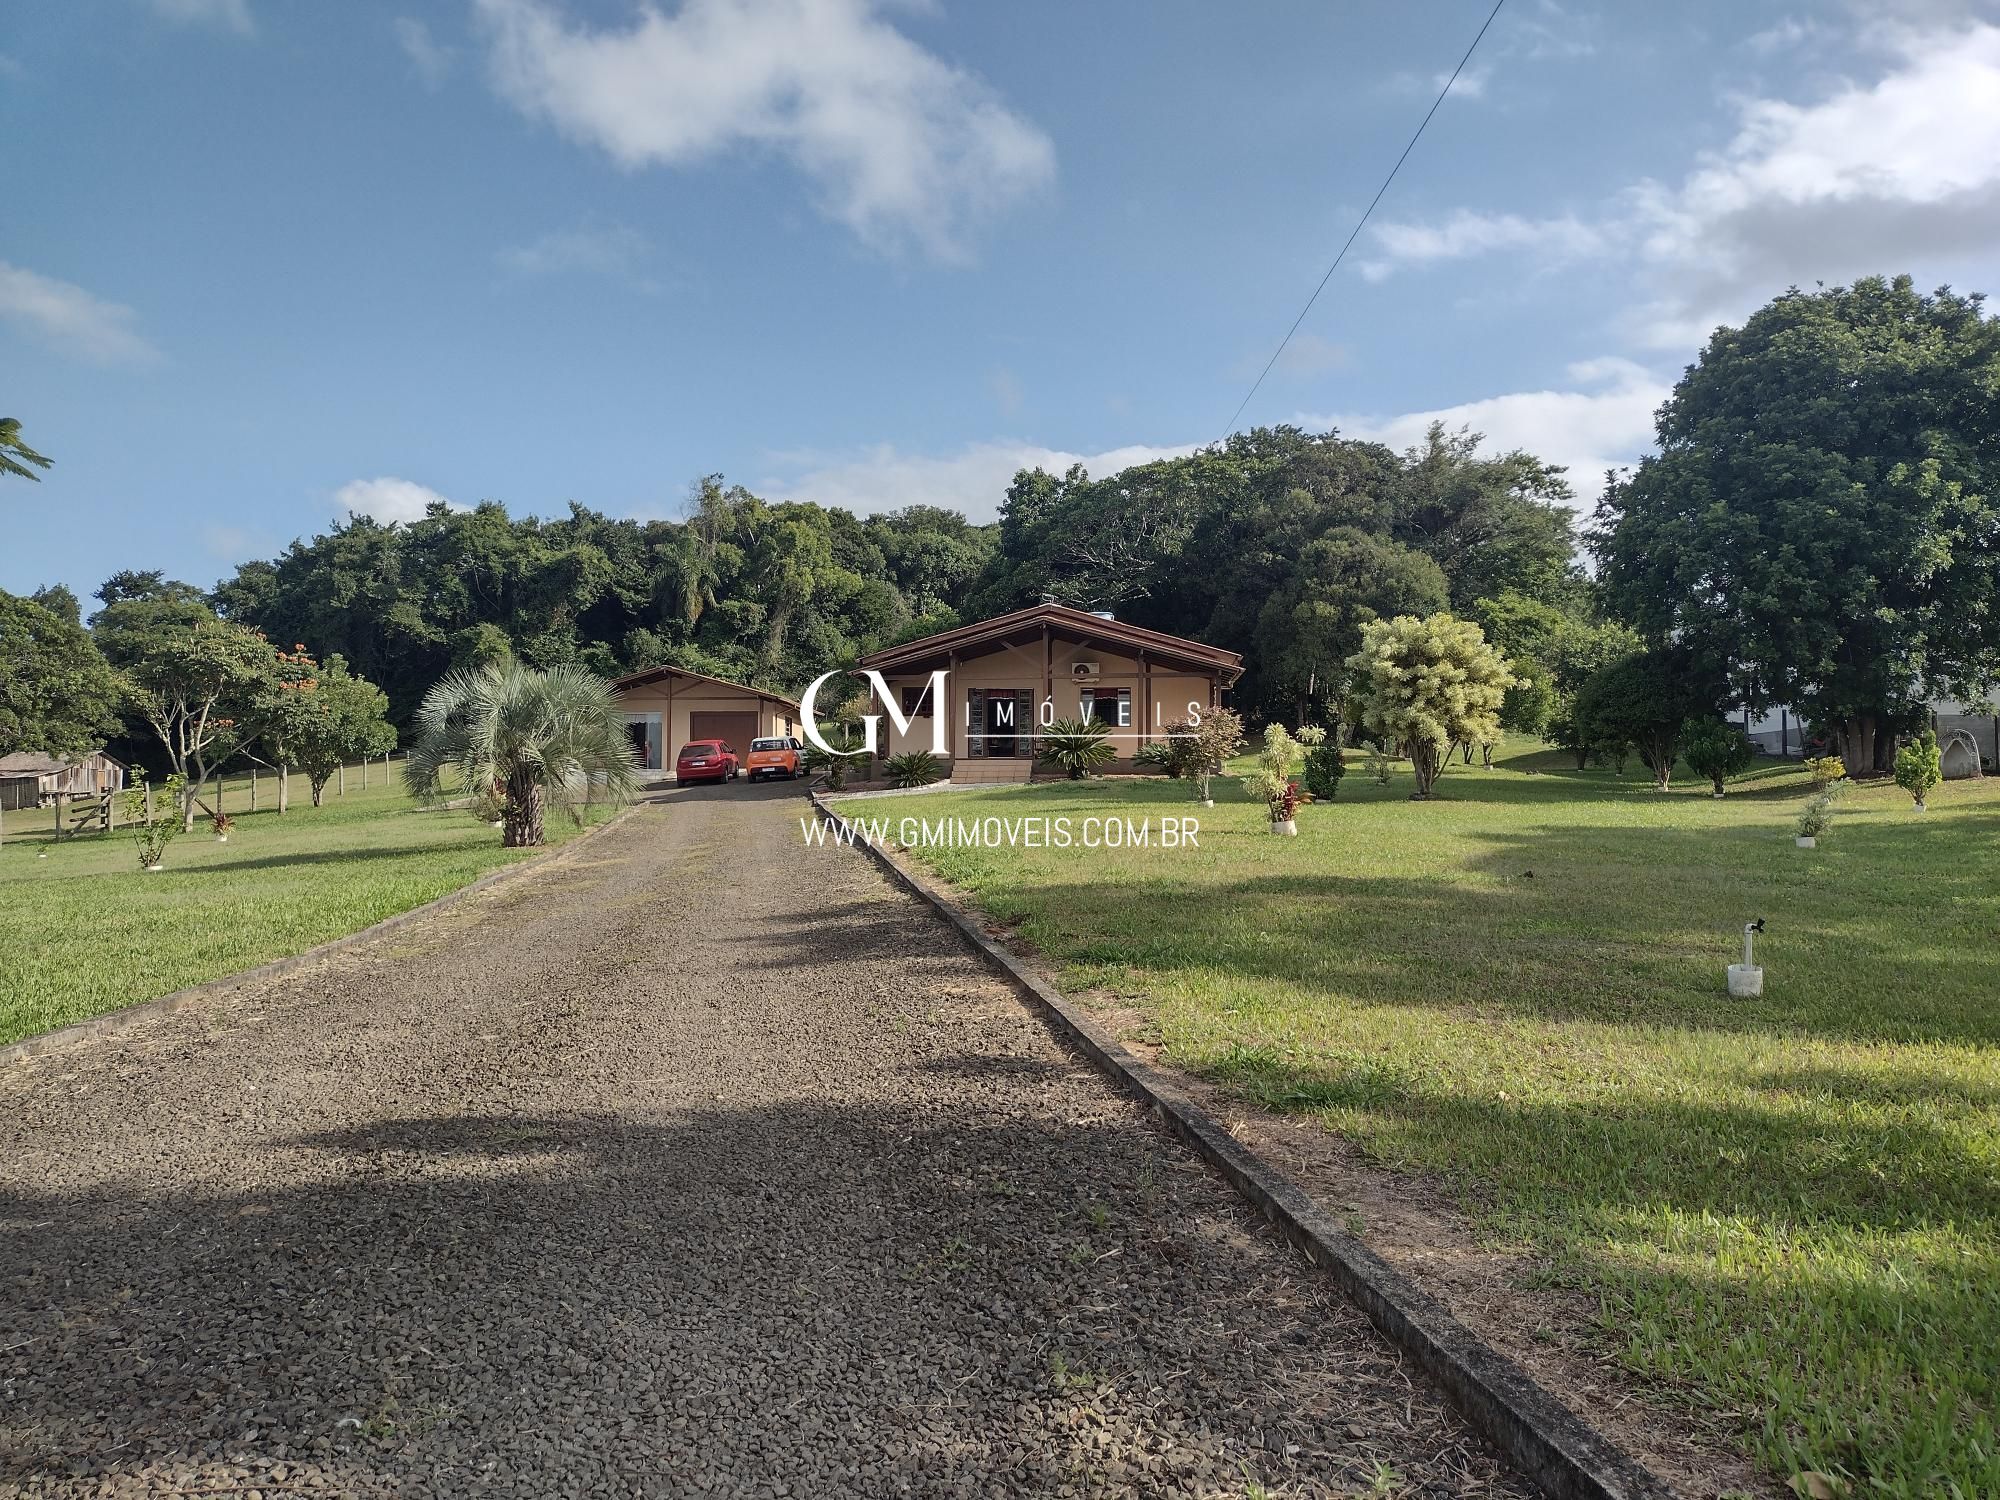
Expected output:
(114, 1021)
(1547, 1442)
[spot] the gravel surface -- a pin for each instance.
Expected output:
(697, 1163)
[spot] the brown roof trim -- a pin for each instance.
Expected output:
(1228, 665)
(651, 674)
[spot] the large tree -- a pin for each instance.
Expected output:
(202, 684)
(1338, 584)
(1822, 521)
(57, 693)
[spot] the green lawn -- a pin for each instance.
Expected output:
(86, 931)
(1787, 1207)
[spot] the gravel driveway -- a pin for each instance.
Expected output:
(631, 1178)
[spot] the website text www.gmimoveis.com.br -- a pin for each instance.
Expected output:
(1036, 832)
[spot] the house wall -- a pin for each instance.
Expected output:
(1158, 698)
(676, 708)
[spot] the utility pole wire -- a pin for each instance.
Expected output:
(1362, 223)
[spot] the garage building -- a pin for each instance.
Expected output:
(665, 707)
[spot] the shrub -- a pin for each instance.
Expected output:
(1156, 753)
(1815, 817)
(842, 736)
(912, 768)
(1378, 765)
(1076, 746)
(1324, 768)
(1920, 767)
(1198, 747)
(1825, 770)
(1716, 749)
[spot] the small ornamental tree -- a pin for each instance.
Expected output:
(1198, 747)
(1920, 767)
(1716, 749)
(1277, 763)
(1428, 684)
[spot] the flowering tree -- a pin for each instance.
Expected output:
(319, 717)
(1428, 683)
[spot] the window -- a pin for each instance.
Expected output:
(1109, 708)
(913, 699)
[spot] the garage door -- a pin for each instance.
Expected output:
(737, 729)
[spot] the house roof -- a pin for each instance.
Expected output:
(1064, 622)
(34, 763)
(655, 674)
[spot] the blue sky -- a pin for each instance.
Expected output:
(264, 261)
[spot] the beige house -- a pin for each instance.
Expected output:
(1007, 677)
(31, 779)
(665, 707)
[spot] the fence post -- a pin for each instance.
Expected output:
(364, 773)
(253, 789)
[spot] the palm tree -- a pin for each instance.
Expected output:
(13, 449)
(536, 737)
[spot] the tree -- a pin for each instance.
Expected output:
(1643, 701)
(321, 717)
(1427, 684)
(537, 737)
(1717, 749)
(201, 684)
(1312, 624)
(1822, 522)
(15, 455)
(57, 692)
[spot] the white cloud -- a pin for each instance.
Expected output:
(229, 15)
(1466, 234)
(431, 58)
(598, 250)
(1606, 422)
(973, 480)
(70, 319)
(902, 147)
(388, 499)
(1899, 173)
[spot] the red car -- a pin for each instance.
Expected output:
(706, 760)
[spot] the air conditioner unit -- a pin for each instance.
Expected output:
(1083, 671)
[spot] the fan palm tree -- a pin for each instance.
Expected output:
(537, 738)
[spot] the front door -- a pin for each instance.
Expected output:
(1001, 722)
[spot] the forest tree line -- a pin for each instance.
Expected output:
(1820, 527)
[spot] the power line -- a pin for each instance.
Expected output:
(1362, 222)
